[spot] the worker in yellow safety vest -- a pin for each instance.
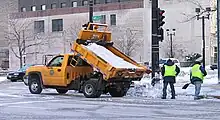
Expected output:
(197, 74)
(169, 72)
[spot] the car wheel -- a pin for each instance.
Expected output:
(35, 86)
(62, 91)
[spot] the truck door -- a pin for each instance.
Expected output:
(54, 74)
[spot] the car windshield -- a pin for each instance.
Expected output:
(24, 68)
(162, 61)
(175, 61)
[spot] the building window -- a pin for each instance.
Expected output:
(33, 8)
(113, 19)
(85, 3)
(53, 6)
(74, 4)
(96, 1)
(108, 1)
(23, 9)
(63, 5)
(103, 19)
(57, 25)
(215, 54)
(39, 26)
(43, 7)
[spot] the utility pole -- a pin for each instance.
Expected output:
(218, 38)
(155, 42)
(171, 41)
(208, 9)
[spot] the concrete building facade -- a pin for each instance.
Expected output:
(6, 7)
(58, 21)
(214, 49)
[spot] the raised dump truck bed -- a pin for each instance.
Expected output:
(110, 62)
(96, 49)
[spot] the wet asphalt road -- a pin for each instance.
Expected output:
(16, 103)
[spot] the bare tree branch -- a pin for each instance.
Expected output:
(21, 37)
(127, 40)
(190, 17)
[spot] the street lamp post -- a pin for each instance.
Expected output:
(218, 38)
(201, 16)
(171, 34)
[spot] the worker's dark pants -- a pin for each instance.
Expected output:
(165, 89)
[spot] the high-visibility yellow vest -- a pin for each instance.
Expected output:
(170, 70)
(196, 72)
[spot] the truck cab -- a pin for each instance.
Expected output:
(59, 73)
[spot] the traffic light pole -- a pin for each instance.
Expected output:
(91, 13)
(155, 41)
(90, 10)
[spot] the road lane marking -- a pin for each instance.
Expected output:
(27, 102)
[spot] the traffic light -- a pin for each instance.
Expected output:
(160, 17)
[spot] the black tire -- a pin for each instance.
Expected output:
(35, 86)
(62, 91)
(117, 92)
(90, 89)
(13, 80)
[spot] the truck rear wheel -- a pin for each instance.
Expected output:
(117, 92)
(90, 89)
(35, 86)
(62, 91)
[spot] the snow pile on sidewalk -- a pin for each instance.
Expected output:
(109, 57)
(2, 79)
(144, 88)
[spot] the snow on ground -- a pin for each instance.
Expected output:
(144, 88)
(2, 79)
(109, 57)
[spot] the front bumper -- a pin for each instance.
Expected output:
(25, 80)
(14, 77)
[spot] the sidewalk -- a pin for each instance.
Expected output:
(3, 78)
(209, 91)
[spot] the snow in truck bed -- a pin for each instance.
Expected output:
(109, 57)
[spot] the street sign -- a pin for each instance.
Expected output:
(96, 18)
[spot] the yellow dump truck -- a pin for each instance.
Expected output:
(95, 67)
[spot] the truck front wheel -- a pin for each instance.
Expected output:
(90, 89)
(35, 86)
(62, 91)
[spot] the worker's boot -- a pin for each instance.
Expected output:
(163, 97)
(173, 97)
